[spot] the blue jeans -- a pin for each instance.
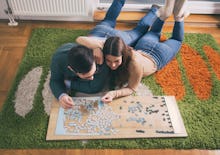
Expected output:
(106, 27)
(161, 52)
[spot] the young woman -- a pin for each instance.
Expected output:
(149, 54)
(106, 29)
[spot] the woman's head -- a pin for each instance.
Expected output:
(117, 56)
(113, 50)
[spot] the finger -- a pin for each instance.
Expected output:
(99, 61)
(70, 101)
(67, 106)
(105, 99)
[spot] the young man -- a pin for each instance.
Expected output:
(73, 67)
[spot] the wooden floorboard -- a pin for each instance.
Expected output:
(13, 42)
(11, 57)
(107, 152)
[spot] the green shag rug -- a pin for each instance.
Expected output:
(201, 117)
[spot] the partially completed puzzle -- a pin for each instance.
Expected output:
(127, 117)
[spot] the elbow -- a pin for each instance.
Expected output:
(78, 39)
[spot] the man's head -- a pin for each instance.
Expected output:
(81, 61)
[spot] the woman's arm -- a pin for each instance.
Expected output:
(94, 44)
(135, 76)
(109, 96)
(90, 42)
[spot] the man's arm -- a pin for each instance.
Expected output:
(57, 85)
(57, 79)
(57, 67)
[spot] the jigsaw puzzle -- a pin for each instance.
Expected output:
(127, 117)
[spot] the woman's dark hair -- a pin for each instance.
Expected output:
(80, 59)
(115, 46)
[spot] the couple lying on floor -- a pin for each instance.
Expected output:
(127, 56)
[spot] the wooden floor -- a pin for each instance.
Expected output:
(107, 152)
(13, 41)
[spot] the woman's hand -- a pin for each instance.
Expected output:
(108, 97)
(97, 52)
(66, 101)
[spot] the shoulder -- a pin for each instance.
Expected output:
(64, 49)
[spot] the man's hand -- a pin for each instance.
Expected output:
(66, 101)
(97, 52)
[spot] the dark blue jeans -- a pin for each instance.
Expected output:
(106, 28)
(161, 52)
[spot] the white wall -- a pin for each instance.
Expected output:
(3, 6)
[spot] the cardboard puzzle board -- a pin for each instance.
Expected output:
(127, 117)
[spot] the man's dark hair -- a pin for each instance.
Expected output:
(80, 59)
